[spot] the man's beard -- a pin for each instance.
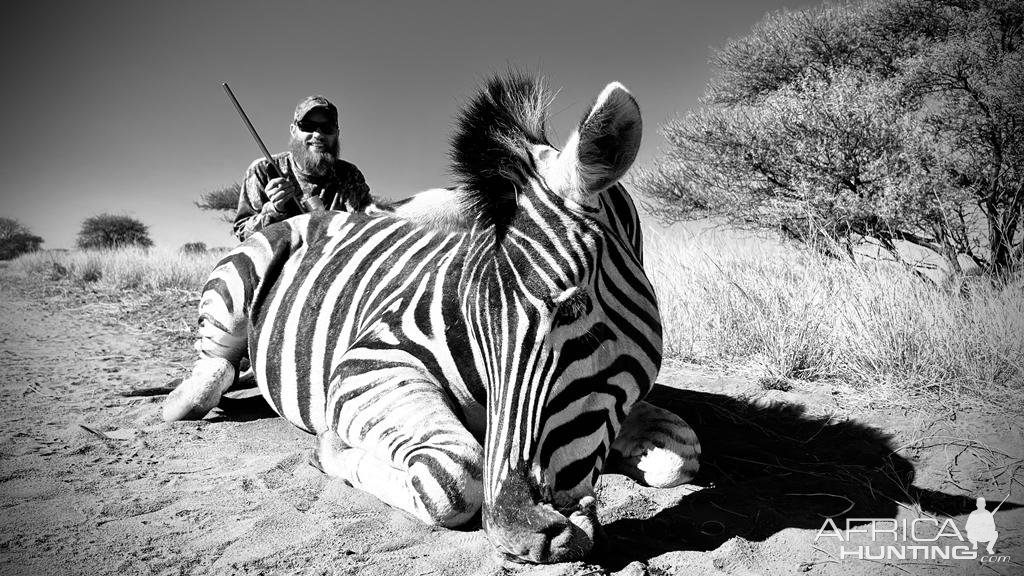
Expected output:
(312, 163)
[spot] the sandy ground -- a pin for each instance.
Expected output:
(93, 482)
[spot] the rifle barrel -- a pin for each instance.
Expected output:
(308, 203)
(248, 124)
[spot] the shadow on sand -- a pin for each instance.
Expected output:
(771, 467)
(764, 468)
(242, 403)
(242, 409)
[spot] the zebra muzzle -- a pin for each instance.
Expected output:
(541, 534)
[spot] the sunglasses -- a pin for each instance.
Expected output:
(323, 128)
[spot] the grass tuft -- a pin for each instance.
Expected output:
(121, 269)
(781, 315)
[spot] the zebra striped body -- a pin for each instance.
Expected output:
(447, 366)
(356, 296)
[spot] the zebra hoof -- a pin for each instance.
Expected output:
(200, 392)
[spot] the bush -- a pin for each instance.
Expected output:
(113, 231)
(16, 239)
(194, 248)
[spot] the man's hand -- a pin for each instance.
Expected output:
(279, 191)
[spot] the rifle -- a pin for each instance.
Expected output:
(308, 203)
(1000, 505)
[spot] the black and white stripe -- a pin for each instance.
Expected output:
(447, 366)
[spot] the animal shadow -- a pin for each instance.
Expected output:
(770, 467)
(242, 403)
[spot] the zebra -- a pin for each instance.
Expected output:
(483, 349)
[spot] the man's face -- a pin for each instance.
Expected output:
(316, 131)
(314, 143)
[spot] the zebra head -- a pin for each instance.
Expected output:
(561, 320)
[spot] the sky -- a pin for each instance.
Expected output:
(116, 106)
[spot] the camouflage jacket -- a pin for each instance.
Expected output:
(344, 190)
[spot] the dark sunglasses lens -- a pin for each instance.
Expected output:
(316, 127)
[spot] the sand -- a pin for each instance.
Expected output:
(93, 482)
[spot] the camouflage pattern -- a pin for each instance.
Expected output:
(344, 190)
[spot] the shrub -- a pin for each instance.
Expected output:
(194, 248)
(113, 231)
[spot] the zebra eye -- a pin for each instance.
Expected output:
(571, 305)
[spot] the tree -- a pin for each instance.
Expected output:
(113, 231)
(223, 199)
(892, 120)
(16, 239)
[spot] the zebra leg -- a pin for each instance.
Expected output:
(400, 441)
(223, 333)
(234, 288)
(655, 447)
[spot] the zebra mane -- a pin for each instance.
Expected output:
(489, 143)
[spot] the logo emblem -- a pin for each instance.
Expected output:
(981, 526)
(918, 538)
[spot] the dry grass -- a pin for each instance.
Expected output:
(744, 306)
(780, 315)
(123, 269)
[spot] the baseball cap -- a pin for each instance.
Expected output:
(311, 103)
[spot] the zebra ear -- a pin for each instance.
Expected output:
(606, 142)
